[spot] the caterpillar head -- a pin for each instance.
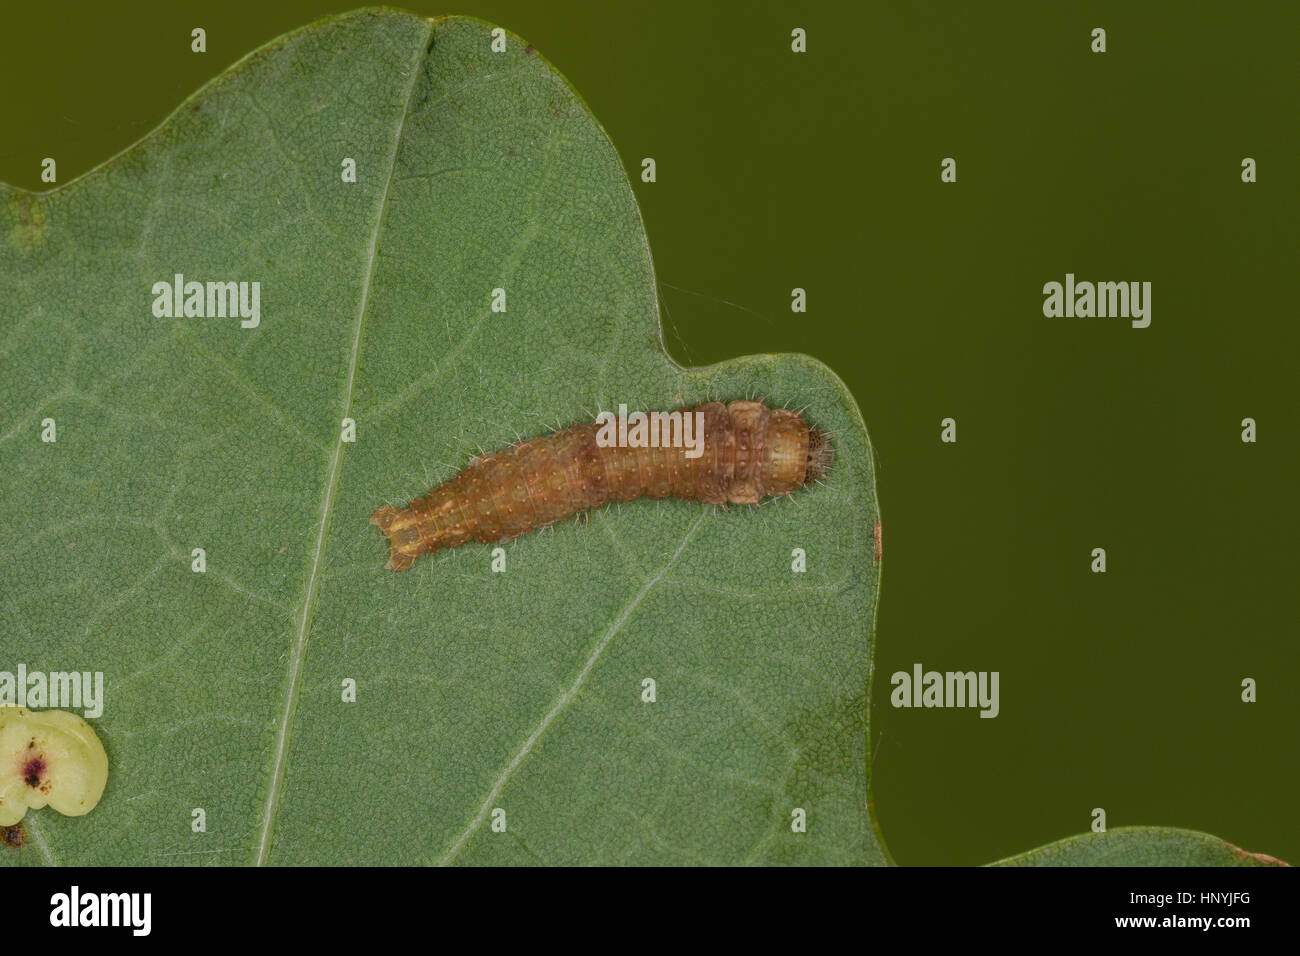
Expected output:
(820, 456)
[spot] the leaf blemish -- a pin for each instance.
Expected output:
(30, 213)
(13, 837)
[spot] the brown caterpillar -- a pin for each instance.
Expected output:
(748, 451)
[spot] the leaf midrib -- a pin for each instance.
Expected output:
(298, 651)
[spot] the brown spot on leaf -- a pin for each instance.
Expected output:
(530, 49)
(1259, 857)
(14, 836)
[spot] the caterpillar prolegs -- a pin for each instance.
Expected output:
(744, 452)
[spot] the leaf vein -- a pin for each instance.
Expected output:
(298, 651)
(568, 696)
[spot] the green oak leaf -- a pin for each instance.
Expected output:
(1141, 846)
(476, 170)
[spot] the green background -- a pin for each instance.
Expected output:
(822, 171)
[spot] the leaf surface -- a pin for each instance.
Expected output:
(523, 690)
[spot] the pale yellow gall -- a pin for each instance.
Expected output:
(48, 757)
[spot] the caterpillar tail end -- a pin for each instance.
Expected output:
(383, 518)
(398, 561)
(820, 456)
